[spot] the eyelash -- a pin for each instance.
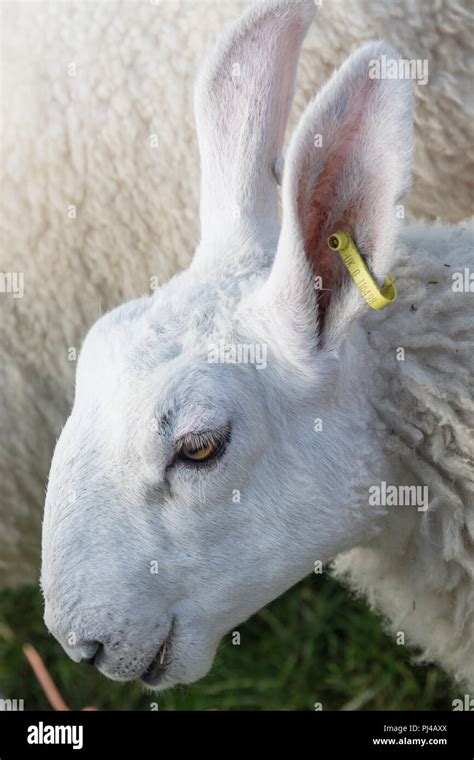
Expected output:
(218, 438)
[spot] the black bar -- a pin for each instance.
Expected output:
(145, 734)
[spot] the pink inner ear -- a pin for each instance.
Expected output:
(324, 205)
(319, 223)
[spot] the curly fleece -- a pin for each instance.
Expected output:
(421, 567)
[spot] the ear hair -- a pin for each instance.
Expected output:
(351, 177)
(242, 100)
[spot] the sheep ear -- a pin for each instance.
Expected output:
(348, 167)
(242, 99)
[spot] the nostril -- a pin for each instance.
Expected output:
(91, 660)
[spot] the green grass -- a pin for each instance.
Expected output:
(314, 644)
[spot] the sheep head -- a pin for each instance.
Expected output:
(191, 483)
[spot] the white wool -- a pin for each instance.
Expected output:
(419, 572)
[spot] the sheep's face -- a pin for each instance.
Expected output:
(179, 482)
(216, 446)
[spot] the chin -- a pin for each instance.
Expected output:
(185, 661)
(183, 672)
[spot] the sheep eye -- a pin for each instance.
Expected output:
(197, 453)
(202, 447)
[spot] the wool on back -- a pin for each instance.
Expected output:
(419, 572)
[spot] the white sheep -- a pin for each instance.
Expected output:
(191, 485)
(100, 183)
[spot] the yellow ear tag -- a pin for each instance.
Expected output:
(377, 298)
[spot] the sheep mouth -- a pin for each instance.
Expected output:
(160, 662)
